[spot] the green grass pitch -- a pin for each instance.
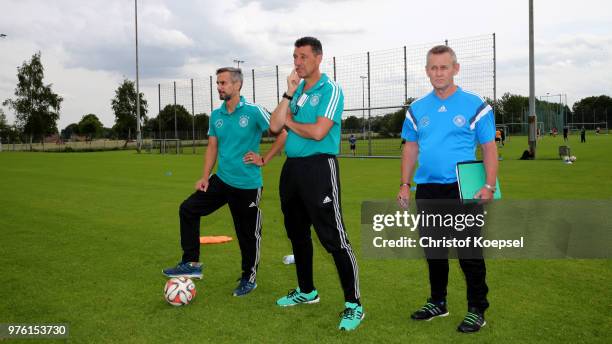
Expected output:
(85, 236)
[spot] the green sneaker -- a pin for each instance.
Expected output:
(351, 316)
(296, 297)
(474, 320)
(431, 310)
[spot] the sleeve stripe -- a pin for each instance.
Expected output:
(330, 100)
(420, 98)
(480, 108)
(411, 118)
(333, 102)
(336, 102)
(480, 115)
(475, 94)
(262, 111)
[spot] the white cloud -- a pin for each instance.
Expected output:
(570, 63)
(88, 47)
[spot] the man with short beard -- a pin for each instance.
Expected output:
(235, 130)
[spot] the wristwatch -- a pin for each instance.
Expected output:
(286, 96)
(490, 187)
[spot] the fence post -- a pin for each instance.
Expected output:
(405, 77)
(159, 108)
(277, 87)
(495, 78)
(334, 68)
(175, 125)
(211, 96)
(253, 76)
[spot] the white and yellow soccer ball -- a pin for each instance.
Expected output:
(572, 158)
(179, 291)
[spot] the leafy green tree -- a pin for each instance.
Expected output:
(201, 122)
(35, 104)
(593, 109)
(390, 124)
(90, 126)
(151, 127)
(166, 117)
(109, 133)
(184, 123)
(3, 124)
(352, 123)
(71, 129)
(512, 108)
(124, 108)
(8, 133)
(4, 128)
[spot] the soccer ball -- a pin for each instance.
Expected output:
(179, 291)
(572, 158)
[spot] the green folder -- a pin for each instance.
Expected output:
(471, 177)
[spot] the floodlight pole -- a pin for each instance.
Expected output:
(138, 133)
(532, 111)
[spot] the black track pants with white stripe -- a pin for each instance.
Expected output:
(244, 206)
(310, 195)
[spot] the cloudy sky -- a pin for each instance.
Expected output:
(88, 46)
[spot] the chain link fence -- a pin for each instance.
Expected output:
(377, 86)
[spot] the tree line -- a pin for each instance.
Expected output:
(510, 108)
(37, 110)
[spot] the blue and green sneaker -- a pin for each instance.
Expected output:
(431, 310)
(184, 269)
(296, 297)
(351, 316)
(473, 321)
(244, 287)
